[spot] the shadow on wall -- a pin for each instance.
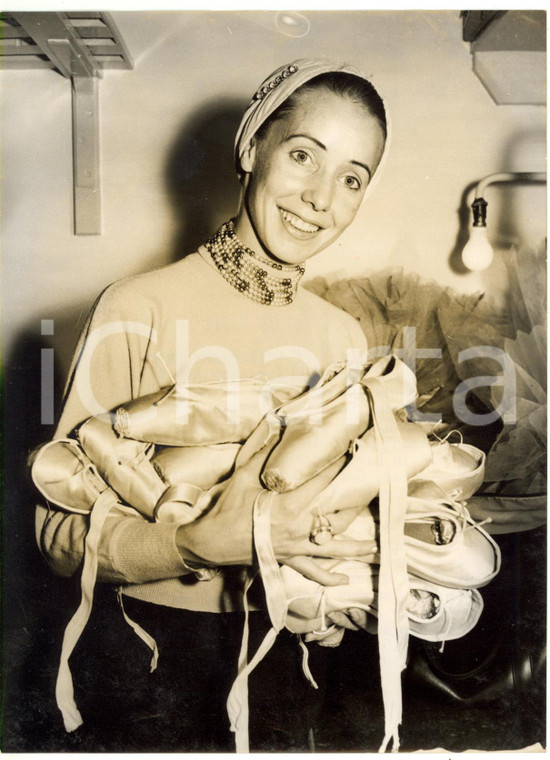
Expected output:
(35, 602)
(509, 221)
(200, 176)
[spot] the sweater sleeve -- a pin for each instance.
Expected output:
(105, 372)
(131, 550)
(110, 356)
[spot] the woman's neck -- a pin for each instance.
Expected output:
(245, 232)
(255, 275)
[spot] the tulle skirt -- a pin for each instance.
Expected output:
(450, 339)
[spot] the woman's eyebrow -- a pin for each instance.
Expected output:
(309, 137)
(364, 166)
(324, 147)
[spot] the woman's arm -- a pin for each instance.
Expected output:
(131, 550)
(106, 371)
(110, 356)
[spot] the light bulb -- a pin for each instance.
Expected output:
(478, 252)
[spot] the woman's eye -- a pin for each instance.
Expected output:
(300, 156)
(352, 182)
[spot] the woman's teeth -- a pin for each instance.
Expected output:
(298, 223)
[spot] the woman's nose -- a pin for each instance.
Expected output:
(318, 192)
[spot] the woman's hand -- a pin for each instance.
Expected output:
(223, 536)
(290, 533)
(352, 619)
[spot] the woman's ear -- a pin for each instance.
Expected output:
(249, 156)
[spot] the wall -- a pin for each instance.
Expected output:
(166, 134)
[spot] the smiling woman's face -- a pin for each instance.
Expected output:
(307, 176)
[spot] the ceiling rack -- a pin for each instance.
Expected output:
(79, 46)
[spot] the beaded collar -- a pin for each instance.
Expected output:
(262, 280)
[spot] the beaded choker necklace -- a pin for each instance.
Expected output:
(264, 281)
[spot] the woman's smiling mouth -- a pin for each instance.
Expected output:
(295, 224)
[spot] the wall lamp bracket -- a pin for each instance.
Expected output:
(478, 253)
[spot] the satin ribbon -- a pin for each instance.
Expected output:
(393, 588)
(64, 689)
(237, 702)
(393, 624)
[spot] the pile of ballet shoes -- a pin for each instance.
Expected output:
(164, 457)
(163, 454)
(449, 556)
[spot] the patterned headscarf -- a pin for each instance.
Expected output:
(275, 89)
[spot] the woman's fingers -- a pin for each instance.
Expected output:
(332, 637)
(341, 619)
(359, 617)
(365, 551)
(352, 619)
(310, 569)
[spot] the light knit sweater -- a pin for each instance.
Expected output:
(140, 332)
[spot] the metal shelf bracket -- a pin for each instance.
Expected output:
(59, 39)
(87, 196)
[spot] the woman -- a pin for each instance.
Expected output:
(307, 148)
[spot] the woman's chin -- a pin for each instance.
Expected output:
(289, 258)
(294, 252)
